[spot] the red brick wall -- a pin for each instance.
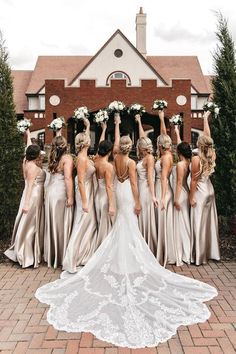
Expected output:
(99, 97)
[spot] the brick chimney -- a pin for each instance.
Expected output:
(141, 32)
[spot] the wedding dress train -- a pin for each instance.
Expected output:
(123, 295)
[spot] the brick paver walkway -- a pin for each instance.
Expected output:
(24, 329)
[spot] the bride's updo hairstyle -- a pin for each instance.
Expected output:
(104, 148)
(207, 155)
(82, 140)
(144, 144)
(59, 148)
(125, 144)
(184, 149)
(32, 152)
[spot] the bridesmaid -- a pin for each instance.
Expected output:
(165, 244)
(104, 199)
(27, 238)
(204, 221)
(59, 202)
(146, 178)
(84, 232)
(182, 231)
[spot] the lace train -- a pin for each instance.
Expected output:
(123, 295)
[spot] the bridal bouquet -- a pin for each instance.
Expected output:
(176, 120)
(23, 125)
(101, 116)
(57, 123)
(159, 105)
(116, 107)
(136, 108)
(81, 113)
(212, 107)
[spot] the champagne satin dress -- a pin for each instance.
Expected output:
(104, 220)
(28, 232)
(83, 237)
(146, 219)
(182, 230)
(164, 219)
(204, 224)
(58, 220)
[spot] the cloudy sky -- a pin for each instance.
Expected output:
(80, 27)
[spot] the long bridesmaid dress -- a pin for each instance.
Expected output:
(105, 221)
(28, 232)
(83, 237)
(146, 219)
(58, 220)
(204, 223)
(165, 219)
(182, 230)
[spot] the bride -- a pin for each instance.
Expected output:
(123, 295)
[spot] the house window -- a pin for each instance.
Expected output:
(41, 102)
(41, 140)
(118, 75)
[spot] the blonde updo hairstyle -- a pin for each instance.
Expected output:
(82, 140)
(144, 144)
(164, 141)
(207, 155)
(125, 145)
(58, 149)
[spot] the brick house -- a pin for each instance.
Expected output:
(118, 71)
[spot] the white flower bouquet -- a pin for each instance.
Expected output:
(101, 116)
(57, 123)
(212, 107)
(23, 125)
(136, 108)
(159, 104)
(116, 107)
(176, 120)
(81, 112)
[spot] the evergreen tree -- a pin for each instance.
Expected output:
(224, 126)
(11, 149)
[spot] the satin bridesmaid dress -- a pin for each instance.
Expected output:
(164, 218)
(204, 224)
(28, 232)
(146, 219)
(58, 220)
(104, 220)
(182, 230)
(83, 237)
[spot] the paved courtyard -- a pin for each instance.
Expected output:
(24, 329)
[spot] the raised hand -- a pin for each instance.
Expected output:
(137, 118)
(104, 125)
(117, 119)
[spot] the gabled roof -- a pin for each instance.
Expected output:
(131, 45)
(55, 67)
(208, 81)
(180, 67)
(21, 80)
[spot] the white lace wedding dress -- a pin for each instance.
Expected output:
(123, 295)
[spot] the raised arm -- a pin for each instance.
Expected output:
(104, 128)
(117, 122)
(81, 171)
(28, 142)
(177, 134)
(150, 179)
(30, 178)
(58, 132)
(166, 166)
(87, 126)
(68, 169)
(162, 122)
(206, 128)
(134, 186)
(179, 183)
(109, 174)
(195, 167)
(140, 127)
